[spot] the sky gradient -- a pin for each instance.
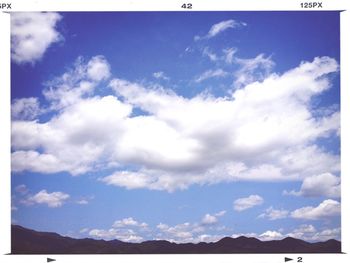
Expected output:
(180, 126)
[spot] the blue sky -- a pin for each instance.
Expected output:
(180, 126)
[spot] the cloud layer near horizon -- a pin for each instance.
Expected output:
(198, 232)
(264, 131)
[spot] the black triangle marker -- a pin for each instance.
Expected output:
(287, 259)
(50, 259)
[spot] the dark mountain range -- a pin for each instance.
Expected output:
(26, 241)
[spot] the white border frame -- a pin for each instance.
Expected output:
(169, 5)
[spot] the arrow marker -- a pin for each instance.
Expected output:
(50, 259)
(287, 259)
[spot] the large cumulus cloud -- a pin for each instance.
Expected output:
(264, 131)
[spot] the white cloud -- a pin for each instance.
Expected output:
(84, 200)
(221, 27)
(207, 238)
(303, 232)
(126, 235)
(162, 226)
(129, 180)
(129, 222)
(181, 233)
(73, 141)
(273, 214)
(270, 235)
(298, 157)
(247, 202)
(98, 68)
(54, 199)
(265, 236)
(326, 184)
(25, 109)
(36, 162)
(160, 75)
(311, 234)
(327, 234)
(235, 235)
(217, 73)
(32, 34)
(209, 219)
(192, 232)
(328, 208)
(265, 131)
(125, 222)
(185, 232)
(171, 181)
(306, 229)
(126, 229)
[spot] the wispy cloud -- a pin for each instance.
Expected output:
(217, 73)
(252, 69)
(77, 82)
(208, 53)
(229, 55)
(221, 27)
(84, 230)
(22, 189)
(160, 75)
(82, 202)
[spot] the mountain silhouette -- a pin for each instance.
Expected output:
(27, 241)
